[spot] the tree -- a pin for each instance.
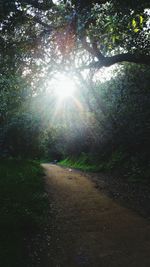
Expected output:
(101, 33)
(41, 38)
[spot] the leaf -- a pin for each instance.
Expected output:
(136, 30)
(141, 20)
(133, 23)
(113, 39)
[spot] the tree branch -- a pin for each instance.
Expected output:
(103, 61)
(133, 58)
(92, 50)
(45, 25)
(127, 57)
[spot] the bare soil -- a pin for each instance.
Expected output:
(90, 229)
(134, 195)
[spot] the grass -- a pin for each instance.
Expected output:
(134, 168)
(23, 209)
(80, 164)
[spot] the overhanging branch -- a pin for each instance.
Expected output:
(103, 61)
(132, 58)
(127, 57)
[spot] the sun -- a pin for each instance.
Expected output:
(63, 87)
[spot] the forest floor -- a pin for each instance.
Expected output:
(87, 228)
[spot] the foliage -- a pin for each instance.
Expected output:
(23, 136)
(42, 37)
(23, 209)
(105, 127)
(81, 164)
(14, 92)
(120, 129)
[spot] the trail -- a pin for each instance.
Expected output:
(90, 229)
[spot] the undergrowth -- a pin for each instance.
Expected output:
(134, 168)
(80, 164)
(23, 209)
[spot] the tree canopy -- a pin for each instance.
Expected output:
(42, 39)
(73, 35)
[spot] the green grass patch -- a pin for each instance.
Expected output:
(135, 169)
(80, 164)
(23, 209)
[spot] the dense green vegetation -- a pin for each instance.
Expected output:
(103, 48)
(118, 136)
(23, 209)
(81, 164)
(108, 116)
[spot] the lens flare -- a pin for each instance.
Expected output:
(63, 87)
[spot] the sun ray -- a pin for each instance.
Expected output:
(62, 87)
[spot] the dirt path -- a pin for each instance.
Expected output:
(89, 229)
